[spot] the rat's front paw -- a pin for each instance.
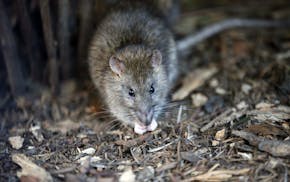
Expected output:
(139, 129)
(152, 126)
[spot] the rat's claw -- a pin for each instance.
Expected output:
(152, 126)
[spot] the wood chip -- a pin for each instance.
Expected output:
(264, 129)
(220, 135)
(215, 143)
(135, 141)
(277, 113)
(88, 151)
(242, 105)
(190, 156)
(198, 99)
(213, 83)
(220, 91)
(30, 169)
(225, 117)
(218, 175)
(16, 142)
(166, 166)
(193, 81)
(274, 147)
(127, 176)
(263, 105)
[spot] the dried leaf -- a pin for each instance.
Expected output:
(193, 81)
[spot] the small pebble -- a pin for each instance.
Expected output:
(246, 88)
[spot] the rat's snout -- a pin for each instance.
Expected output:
(145, 116)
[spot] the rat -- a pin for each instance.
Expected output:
(133, 62)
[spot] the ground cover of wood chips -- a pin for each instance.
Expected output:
(229, 120)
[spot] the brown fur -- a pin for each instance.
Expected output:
(132, 36)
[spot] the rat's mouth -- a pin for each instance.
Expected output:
(140, 128)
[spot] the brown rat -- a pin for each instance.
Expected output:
(132, 62)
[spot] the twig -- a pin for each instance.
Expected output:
(167, 166)
(9, 49)
(136, 141)
(50, 45)
(217, 119)
(63, 37)
(162, 147)
(224, 118)
(179, 114)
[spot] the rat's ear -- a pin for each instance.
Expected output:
(156, 58)
(116, 65)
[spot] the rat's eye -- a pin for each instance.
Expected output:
(152, 90)
(131, 92)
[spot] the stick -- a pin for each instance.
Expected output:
(50, 45)
(11, 57)
(63, 37)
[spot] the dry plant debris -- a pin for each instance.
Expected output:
(16, 142)
(274, 147)
(218, 175)
(30, 169)
(232, 125)
(194, 80)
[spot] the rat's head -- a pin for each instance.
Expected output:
(140, 85)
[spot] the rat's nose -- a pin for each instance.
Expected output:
(145, 116)
(149, 117)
